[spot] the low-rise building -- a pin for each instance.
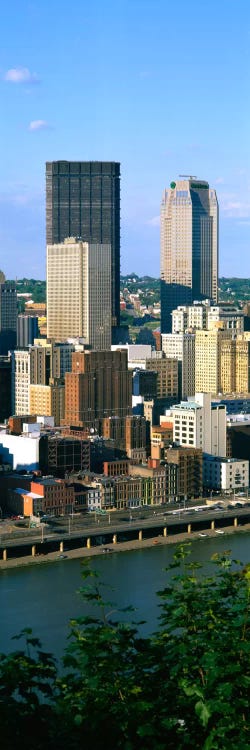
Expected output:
(186, 481)
(238, 436)
(46, 496)
(116, 468)
(161, 438)
(62, 454)
(227, 474)
(156, 476)
(21, 452)
(100, 494)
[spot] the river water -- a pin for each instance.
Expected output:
(44, 597)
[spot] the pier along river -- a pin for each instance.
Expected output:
(44, 597)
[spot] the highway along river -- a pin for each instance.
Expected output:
(44, 597)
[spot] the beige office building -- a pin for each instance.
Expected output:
(222, 361)
(235, 364)
(79, 292)
(208, 360)
(48, 400)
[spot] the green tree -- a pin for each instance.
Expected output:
(184, 687)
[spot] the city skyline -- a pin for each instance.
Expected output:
(161, 91)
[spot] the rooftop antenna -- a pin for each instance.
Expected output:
(189, 176)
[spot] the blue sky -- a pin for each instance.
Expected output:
(161, 87)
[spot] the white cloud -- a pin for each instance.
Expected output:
(20, 195)
(20, 75)
(39, 125)
(154, 222)
(234, 208)
(219, 181)
(144, 73)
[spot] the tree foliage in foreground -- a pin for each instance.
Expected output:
(184, 687)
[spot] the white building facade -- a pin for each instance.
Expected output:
(20, 451)
(207, 316)
(198, 423)
(138, 354)
(20, 381)
(225, 473)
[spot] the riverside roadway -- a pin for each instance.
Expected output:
(76, 527)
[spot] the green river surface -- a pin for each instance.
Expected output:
(44, 597)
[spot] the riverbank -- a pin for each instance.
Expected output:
(135, 544)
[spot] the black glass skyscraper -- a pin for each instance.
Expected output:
(83, 200)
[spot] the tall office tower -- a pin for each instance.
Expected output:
(189, 246)
(27, 330)
(8, 315)
(79, 292)
(100, 385)
(83, 200)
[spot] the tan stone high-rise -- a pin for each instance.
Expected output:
(242, 378)
(79, 292)
(222, 363)
(208, 360)
(228, 366)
